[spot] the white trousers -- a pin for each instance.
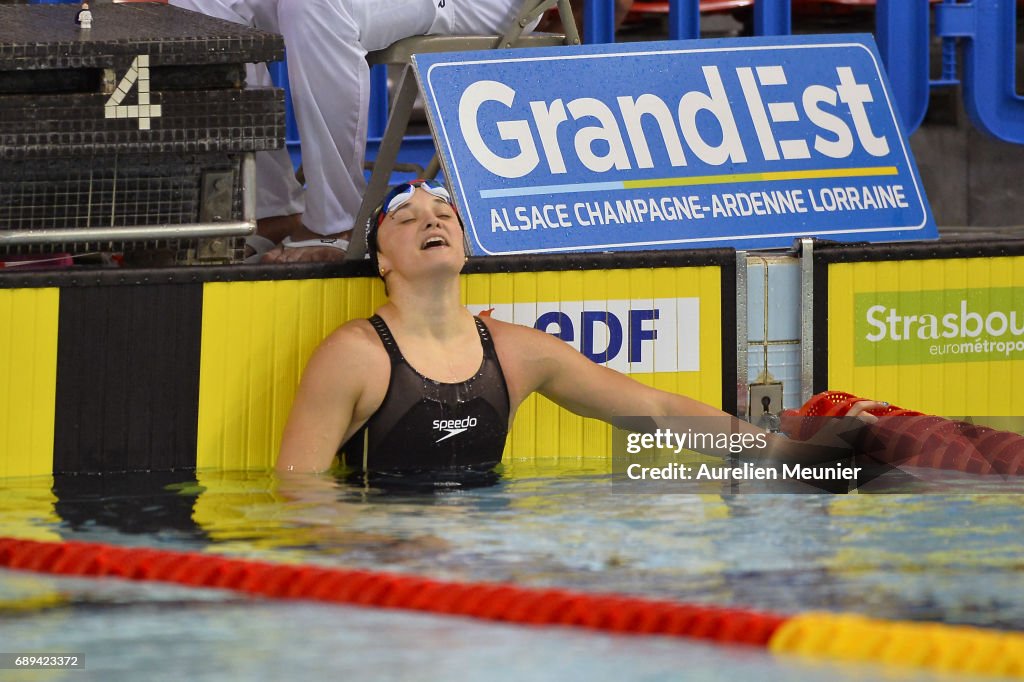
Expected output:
(326, 43)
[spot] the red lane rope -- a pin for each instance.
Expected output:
(916, 439)
(491, 601)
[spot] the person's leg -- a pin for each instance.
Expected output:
(327, 42)
(279, 196)
(278, 192)
(481, 17)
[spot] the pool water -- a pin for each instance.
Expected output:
(950, 557)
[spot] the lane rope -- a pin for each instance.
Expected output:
(840, 637)
(491, 601)
(911, 438)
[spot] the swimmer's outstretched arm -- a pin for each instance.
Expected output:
(536, 361)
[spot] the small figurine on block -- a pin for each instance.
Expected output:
(84, 17)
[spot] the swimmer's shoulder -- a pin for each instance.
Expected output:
(354, 347)
(500, 330)
(358, 332)
(519, 344)
(507, 333)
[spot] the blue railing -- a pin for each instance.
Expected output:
(986, 28)
(988, 31)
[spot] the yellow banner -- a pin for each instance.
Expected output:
(942, 336)
(28, 365)
(662, 326)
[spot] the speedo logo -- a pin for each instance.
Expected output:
(453, 427)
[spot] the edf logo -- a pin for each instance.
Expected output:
(630, 335)
(561, 325)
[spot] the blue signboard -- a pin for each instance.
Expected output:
(747, 142)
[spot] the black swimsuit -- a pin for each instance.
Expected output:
(427, 425)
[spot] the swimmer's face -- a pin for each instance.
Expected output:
(424, 231)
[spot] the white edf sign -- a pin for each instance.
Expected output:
(743, 142)
(628, 335)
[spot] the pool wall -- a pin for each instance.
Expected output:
(133, 370)
(162, 369)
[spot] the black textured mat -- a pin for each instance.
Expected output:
(43, 126)
(102, 191)
(47, 37)
(146, 78)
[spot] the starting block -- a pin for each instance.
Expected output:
(135, 134)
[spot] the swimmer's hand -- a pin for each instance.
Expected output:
(834, 439)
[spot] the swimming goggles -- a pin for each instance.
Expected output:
(401, 194)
